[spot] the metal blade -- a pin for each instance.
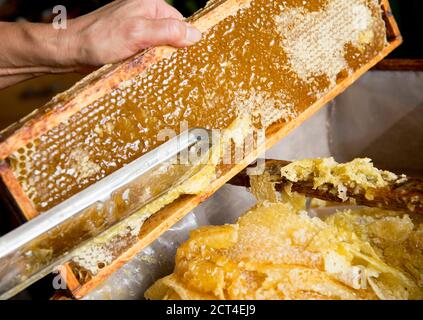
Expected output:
(33, 250)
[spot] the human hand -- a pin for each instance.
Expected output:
(123, 28)
(107, 35)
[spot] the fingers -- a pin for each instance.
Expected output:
(172, 32)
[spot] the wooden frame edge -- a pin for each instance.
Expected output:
(71, 281)
(15, 189)
(393, 31)
(28, 212)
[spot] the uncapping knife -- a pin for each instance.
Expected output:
(34, 249)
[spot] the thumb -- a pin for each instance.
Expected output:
(169, 31)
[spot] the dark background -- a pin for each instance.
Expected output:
(40, 10)
(409, 15)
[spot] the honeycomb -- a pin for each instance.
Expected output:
(275, 251)
(271, 60)
(278, 250)
(99, 252)
(356, 174)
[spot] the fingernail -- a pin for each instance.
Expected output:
(192, 34)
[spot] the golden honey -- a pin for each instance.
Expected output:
(271, 60)
(277, 250)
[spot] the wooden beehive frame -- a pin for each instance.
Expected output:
(400, 65)
(109, 77)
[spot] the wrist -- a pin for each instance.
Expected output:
(48, 46)
(68, 45)
(32, 49)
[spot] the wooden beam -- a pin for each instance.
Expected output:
(406, 195)
(400, 65)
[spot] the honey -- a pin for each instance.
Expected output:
(277, 250)
(271, 59)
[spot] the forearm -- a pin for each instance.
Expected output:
(30, 49)
(108, 35)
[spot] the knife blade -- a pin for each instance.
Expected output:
(34, 249)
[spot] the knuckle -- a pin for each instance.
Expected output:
(176, 29)
(132, 26)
